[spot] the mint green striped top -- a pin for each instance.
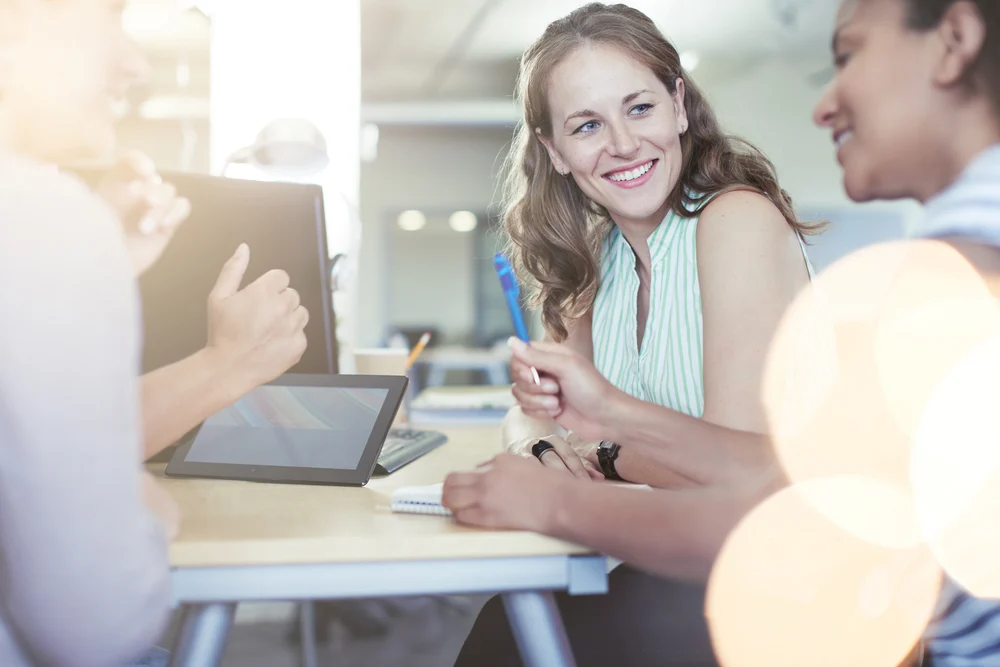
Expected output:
(668, 369)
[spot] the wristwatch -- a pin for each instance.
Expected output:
(539, 448)
(607, 452)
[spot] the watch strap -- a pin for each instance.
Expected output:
(607, 453)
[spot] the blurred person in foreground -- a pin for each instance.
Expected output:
(915, 112)
(83, 530)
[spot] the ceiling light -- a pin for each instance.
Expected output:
(463, 221)
(690, 60)
(411, 221)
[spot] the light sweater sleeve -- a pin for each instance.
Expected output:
(84, 578)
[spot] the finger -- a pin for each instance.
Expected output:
(292, 299)
(299, 343)
(474, 516)
(547, 357)
(178, 212)
(134, 164)
(462, 479)
(543, 415)
(459, 497)
(228, 282)
(301, 317)
(551, 459)
(160, 195)
(535, 402)
(276, 280)
(596, 475)
(158, 221)
(523, 372)
(571, 459)
(525, 378)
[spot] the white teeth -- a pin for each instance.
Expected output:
(631, 175)
(844, 138)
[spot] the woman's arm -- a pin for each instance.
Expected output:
(739, 235)
(673, 533)
(178, 397)
(255, 334)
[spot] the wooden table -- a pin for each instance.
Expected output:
(245, 541)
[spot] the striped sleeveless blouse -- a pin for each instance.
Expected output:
(668, 369)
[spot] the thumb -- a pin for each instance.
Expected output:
(232, 272)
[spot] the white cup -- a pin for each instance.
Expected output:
(385, 361)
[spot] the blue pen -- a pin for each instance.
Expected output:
(511, 290)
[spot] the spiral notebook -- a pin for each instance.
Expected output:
(419, 500)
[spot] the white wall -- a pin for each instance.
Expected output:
(433, 169)
(444, 294)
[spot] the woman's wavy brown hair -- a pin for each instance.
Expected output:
(554, 231)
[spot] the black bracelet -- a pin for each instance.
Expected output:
(540, 447)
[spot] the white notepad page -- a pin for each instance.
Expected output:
(419, 500)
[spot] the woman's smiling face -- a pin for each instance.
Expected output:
(617, 130)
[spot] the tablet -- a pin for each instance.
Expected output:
(298, 429)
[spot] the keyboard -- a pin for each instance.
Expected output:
(404, 445)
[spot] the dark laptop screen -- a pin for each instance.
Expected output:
(284, 225)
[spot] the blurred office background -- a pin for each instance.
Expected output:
(414, 100)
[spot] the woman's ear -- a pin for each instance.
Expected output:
(554, 156)
(679, 109)
(963, 35)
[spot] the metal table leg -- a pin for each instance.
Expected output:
(538, 630)
(203, 634)
(307, 633)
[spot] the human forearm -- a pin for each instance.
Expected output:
(178, 397)
(671, 533)
(519, 430)
(695, 449)
(635, 465)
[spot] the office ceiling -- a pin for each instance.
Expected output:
(468, 49)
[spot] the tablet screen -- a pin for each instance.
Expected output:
(291, 426)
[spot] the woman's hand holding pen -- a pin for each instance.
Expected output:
(572, 391)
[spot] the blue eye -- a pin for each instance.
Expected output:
(586, 127)
(640, 109)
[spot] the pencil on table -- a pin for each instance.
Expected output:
(418, 349)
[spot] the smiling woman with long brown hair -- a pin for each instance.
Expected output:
(662, 253)
(657, 246)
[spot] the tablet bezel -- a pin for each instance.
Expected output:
(396, 386)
